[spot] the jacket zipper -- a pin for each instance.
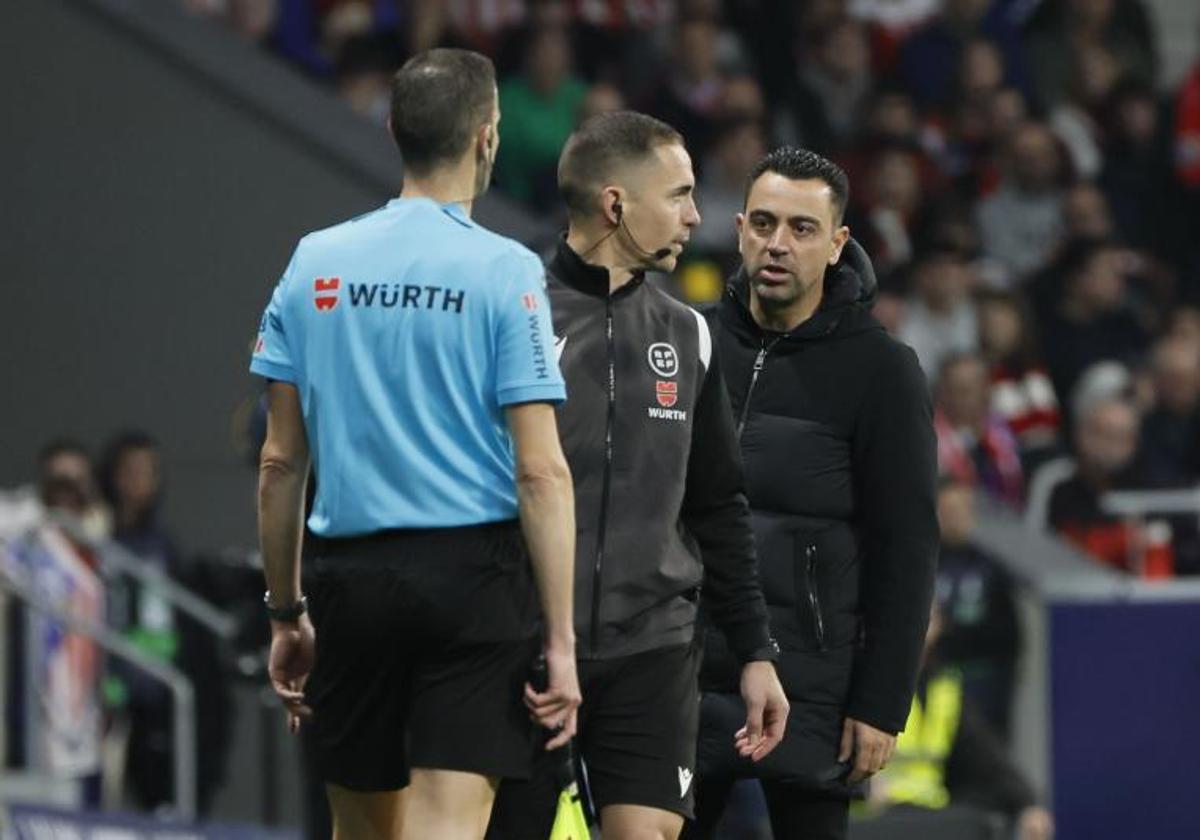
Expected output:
(810, 554)
(759, 361)
(602, 528)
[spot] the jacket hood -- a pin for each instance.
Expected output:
(850, 291)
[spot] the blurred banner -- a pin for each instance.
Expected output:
(62, 711)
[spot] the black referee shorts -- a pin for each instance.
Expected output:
(424, 641)
(637, 737)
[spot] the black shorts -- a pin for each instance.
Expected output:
(424, 641)
(637, 737)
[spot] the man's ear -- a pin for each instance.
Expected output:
(739, 222)
(612, 204)
(840, 237)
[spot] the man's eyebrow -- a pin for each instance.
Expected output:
(800, 218)
(813, 220)
(683, 189)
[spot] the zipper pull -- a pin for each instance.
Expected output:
(760, 360)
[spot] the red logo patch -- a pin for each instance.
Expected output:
(529, 301)
(667, 393)
(259, 345)
(325, 293)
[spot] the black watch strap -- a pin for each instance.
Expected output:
(289, 613)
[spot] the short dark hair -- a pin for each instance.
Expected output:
(599, 146)
(130, 440)
(439, 98)
(803, 165)
(61, 446)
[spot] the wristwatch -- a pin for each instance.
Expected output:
(290, 614)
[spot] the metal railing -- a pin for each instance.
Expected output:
(116, 558)
(184, 718)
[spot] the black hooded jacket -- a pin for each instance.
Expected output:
(836, 431)
(659, 497)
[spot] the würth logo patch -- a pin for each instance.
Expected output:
(325, 293)
(529, 301)
(667, 393)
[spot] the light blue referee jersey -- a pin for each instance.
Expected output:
(407, 331)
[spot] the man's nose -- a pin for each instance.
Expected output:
(777, 244)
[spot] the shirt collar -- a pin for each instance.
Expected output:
(583, 276)
(454, 210)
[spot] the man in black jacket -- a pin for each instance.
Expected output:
(835, 426)
(660, 506)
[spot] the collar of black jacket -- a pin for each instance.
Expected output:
(586, 277)
(850, 287)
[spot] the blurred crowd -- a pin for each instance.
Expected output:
(1028, 191)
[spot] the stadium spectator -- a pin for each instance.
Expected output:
(975, 592)
(1061, 28)
(67, 481)
(1136, 176)
(131, 481)
(949, 757)
(1187, 131)
(363, 75)
(1092, 319)
(975, 445)
(890, 210)
(1106, 444)
(601, 98)
(541, 107)
(941, 317)
(690, 96)
(253, 20)
(834, 87)
(1086, 213)
(1021, 390)
(1021, 222)
(932, 54)
(1171, 432)
(722, 189)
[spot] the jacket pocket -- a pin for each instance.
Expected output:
(808, 594)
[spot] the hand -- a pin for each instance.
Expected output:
(1035, 823)
(293, 654)
(557, 707)
(766, 712)
(871, 749)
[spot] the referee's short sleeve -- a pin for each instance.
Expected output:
(527, 369)
(272, 357)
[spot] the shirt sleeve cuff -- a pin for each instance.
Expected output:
(273, 370)
(752, 642)
(544, 392)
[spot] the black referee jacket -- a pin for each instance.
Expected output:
(660, 509)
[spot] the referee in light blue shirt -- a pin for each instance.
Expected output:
(410, 359)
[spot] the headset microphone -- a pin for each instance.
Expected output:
(654, 256)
